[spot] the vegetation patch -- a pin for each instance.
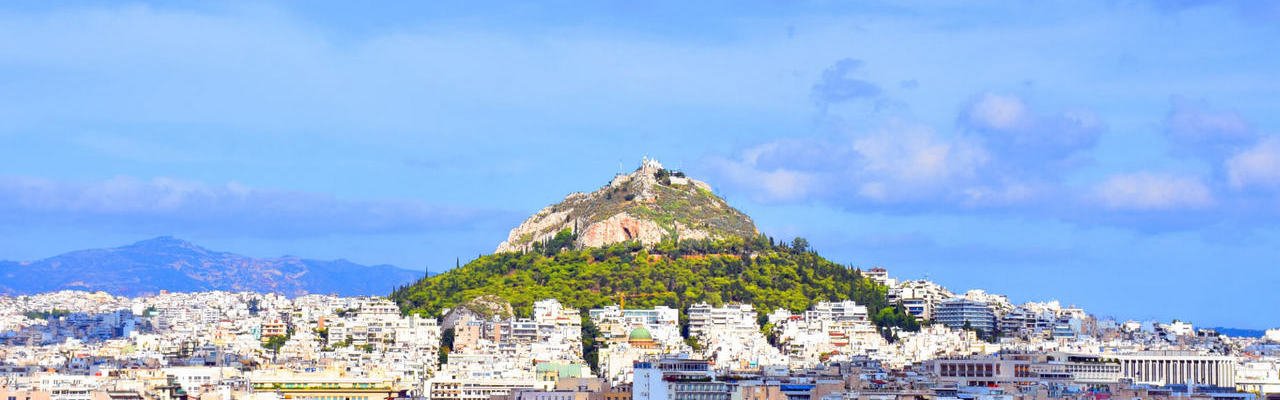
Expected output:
(754, 271)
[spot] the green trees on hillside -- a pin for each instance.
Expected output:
(590, 346)
(274, 344)
(894, 316)
(563, 240)
(675, 274)
(50, 314)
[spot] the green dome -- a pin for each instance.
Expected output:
(640, 334)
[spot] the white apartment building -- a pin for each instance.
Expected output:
(677, 379)
(919, 297)
(881, 276)
(1259, 377)
(829, 328)
(703, 319)
(837, 311)
(478, 389)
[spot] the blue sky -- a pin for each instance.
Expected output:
(1123, 156)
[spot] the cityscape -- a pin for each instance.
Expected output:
(640, 200)
(908, 339)
(220, 345)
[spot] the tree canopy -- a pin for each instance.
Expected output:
(676, 274)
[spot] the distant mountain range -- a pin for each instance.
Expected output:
(1240, 332)
(167, 263)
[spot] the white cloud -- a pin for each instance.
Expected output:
(1256, 167)
(1012, 193)
(1005, 154)
(904, 162)
(1194, 129)
(771, 185)
(899, 163)
(837, 85)
(998, 112)
(1146, 191)
(175, 205)
(1029, 142)
(1193, 123)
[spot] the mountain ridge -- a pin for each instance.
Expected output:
(168, 263)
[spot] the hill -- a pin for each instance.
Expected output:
(716, 271)
(166, 263)
(648, 205)
(651, 237)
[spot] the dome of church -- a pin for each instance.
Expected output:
(640, 334)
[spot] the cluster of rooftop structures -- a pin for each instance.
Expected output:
(217, 345)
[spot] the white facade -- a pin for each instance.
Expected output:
(1177, 367)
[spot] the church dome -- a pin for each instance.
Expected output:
(639, 334)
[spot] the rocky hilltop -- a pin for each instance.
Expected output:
(648, 205)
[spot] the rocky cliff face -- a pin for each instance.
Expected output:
(647, 205)
(480, 309)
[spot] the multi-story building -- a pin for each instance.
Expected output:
(837, 311)
(325, 385)
(998, 303)
(478, 389)
(730, 337)
(1026, 323)
(496, 354)
(1022, 369)
(703, 319)
(69, 387)
(961, 313)
(881, 276)
(829, 329)
(1066, 327)
(615, 324)
(274, 328)
(677, 379)
(1259, 377)
(919, 297)
(526, 394)
(1177, 367)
